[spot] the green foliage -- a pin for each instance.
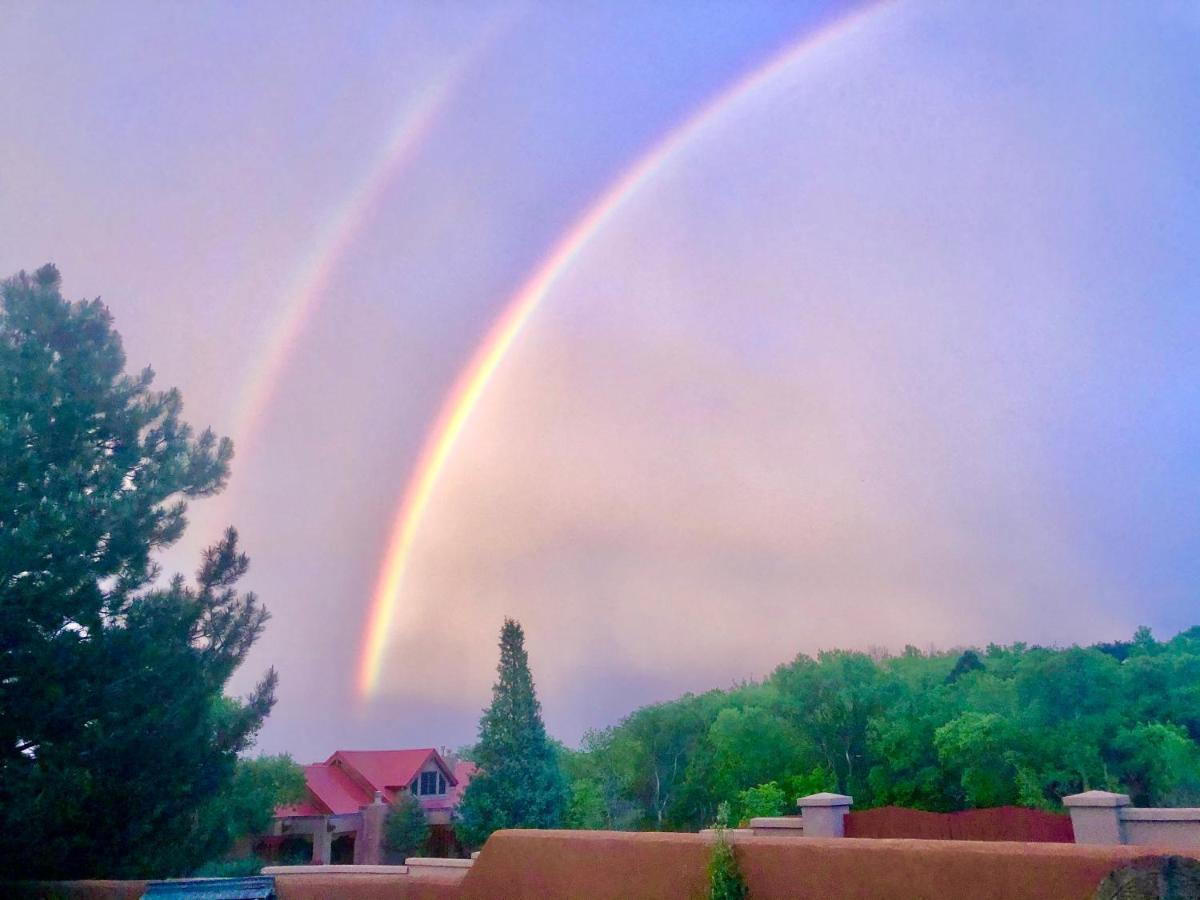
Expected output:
(936, 731)
(111, 688)
(246, 804)
(725, 881)
(519, 783)
(585, 808)
(405, 830)
(241, 867)
(1161, 764)
(814, 781)
(763, 800)
(967, 663)
(976, 744)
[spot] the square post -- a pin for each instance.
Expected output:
(368, 843)
(824, 814)
(1096, 816)
(322, 851)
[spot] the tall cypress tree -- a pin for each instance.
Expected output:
(519, 784)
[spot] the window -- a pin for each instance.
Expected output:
(429, 783)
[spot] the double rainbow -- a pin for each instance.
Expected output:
(473, 382)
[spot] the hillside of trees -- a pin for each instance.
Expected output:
(939, 731)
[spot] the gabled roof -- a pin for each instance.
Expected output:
(348, 780)
(388, 771)
(463, 773)
(334, 789)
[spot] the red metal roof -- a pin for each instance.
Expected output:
(348, 780)
(388, 770)
(463, 773)
(335, 789)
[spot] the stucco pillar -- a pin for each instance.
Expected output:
(322, 844)
(1096, 816)
(368, 843)
(824, 814)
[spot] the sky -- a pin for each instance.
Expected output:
(840, 325)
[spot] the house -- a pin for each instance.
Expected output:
(348, 796)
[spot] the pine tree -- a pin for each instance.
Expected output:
(519, 783)
(406, 830)
(114, 731)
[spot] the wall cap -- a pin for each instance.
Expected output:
(335, 870)
(789, 823)
(1096, 798)
(825, 799)
(1161, 814)
(442, 862)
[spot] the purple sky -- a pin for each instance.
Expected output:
(900, 349)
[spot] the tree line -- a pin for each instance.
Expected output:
(939, 731)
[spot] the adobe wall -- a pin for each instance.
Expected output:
(1161, 830)
(73, 890)
(581, 865)
(367, 887)
(559, 865)
(288, 887)
(598, 865)
(1104, 817)
(858, 869)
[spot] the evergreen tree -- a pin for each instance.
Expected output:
(519, 783)
(114, 731)
(406, 829)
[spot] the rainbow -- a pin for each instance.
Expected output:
(418, 119)
(473, 381)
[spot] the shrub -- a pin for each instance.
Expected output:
(242, 867)
(763, 800)
(725, 881)
(405, 830)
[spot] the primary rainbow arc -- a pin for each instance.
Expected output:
(472, 383)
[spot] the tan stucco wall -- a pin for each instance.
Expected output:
(542, 865)
(1163, 833)
(563, 865)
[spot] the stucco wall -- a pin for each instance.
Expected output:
(563, 865)
(1161, 827)
(289, 887)
(560, 865)
(368, 887)
(74, 890)
(602, 865)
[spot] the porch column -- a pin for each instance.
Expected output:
(322, 844)
(370, 836)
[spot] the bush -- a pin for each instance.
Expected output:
(242, 867)
(405, 830)
(585, 808)
(764, 800)
(725, 881)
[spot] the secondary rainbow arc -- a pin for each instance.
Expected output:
(415, 125)
(471, 384)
